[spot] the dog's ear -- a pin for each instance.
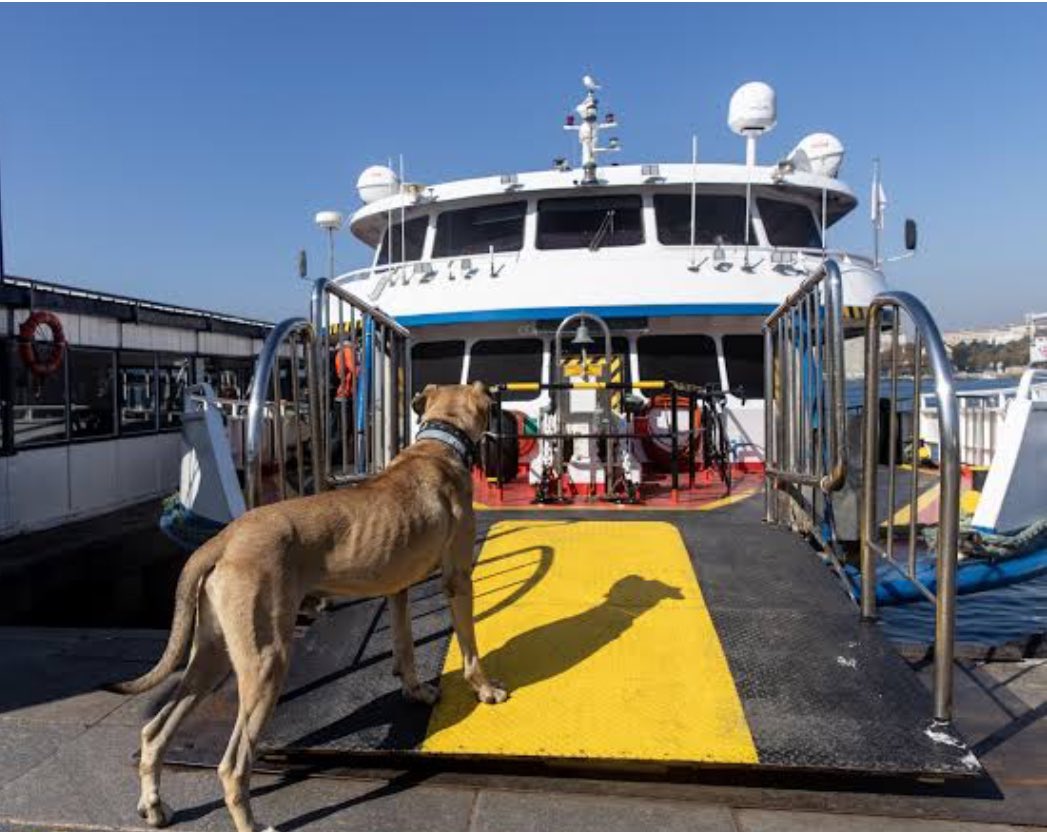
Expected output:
(419, 401)
(481, 388)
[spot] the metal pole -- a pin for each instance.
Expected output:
(769, 401)
(674, 443)
(870, 426)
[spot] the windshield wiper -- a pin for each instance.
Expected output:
(606, 227)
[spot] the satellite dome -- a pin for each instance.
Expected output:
(818, 153)
(377, 182)
(752, 110)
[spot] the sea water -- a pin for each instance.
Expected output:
(1010, 613)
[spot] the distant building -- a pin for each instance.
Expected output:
(992, 335)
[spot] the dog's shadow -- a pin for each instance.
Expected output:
(549, 650)
(533, 656)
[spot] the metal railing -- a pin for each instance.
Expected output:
(369, 420)
(292, 340)
(887, 309)
(805, 428)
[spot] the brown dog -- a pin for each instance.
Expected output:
(244, 587)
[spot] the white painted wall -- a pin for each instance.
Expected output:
(45, 487)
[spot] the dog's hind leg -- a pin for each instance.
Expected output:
(258, 630)
(403, 652)
(208, 665)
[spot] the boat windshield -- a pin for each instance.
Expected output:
(589, 222)
(408, 241)
(480, 230)
(718, 219)
(789, 224)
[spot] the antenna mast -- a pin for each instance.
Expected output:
(589, 130)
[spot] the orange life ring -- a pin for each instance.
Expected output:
(345, 366)
(27, 347)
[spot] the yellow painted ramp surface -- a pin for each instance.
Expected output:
(601, 634)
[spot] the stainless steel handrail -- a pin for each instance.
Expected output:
(291, 332)
(805, 424)
(927, 339)
(386, 394)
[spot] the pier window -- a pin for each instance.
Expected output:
(228, 376)
(718, 220)
(92, 393)
(173, 374)
(436, 362)
(743, 355)
(690, 359)
(789, 224)
(137, 391)
(589, 222)
(510, 359)
(479, 230)
(37, 404)
(408, 241)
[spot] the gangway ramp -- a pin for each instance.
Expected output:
(686, 638)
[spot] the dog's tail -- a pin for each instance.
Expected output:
(195, 570)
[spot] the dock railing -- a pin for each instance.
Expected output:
(924, 353)
(289, 344)
(368, 420)
(805, 413)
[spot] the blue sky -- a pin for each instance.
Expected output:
(179, 152)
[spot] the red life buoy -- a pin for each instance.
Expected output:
(27, 346)
(526, 441)
(345, 366)
(657, 419)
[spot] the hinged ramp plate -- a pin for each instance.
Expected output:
(702, 639)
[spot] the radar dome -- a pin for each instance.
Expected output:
(377, 182)
(818, 153)
(752, 110)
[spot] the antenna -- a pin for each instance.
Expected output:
(589, 130)
(329, 221)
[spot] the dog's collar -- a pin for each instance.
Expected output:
(452, 436)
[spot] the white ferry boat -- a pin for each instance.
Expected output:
(682, 261)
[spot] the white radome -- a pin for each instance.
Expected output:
(818, 153)
(329, 220)
(377, 182)
(753, 109)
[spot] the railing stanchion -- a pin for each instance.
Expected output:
(674, 444)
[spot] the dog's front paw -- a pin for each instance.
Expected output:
(424, 693)
(493, 693)
(155, 813)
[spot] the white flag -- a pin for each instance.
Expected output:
(878, 200)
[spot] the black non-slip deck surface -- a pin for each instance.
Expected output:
(820, 690)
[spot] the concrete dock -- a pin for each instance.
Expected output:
(65, 763)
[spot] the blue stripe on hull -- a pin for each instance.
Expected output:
(663, 310)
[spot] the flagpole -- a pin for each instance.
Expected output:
(876, 211)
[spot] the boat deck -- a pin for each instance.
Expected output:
(640, 639)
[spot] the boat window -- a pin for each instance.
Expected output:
(478, 230)
(743, 355)
(620, 369)
(789, 224)
(514, 359)
(408, 238)
(175, 372)
(91, 393)
(38, 404)
(718, 219)
(137, 391)
(589, 222)
(436, 362)
(690, 359)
